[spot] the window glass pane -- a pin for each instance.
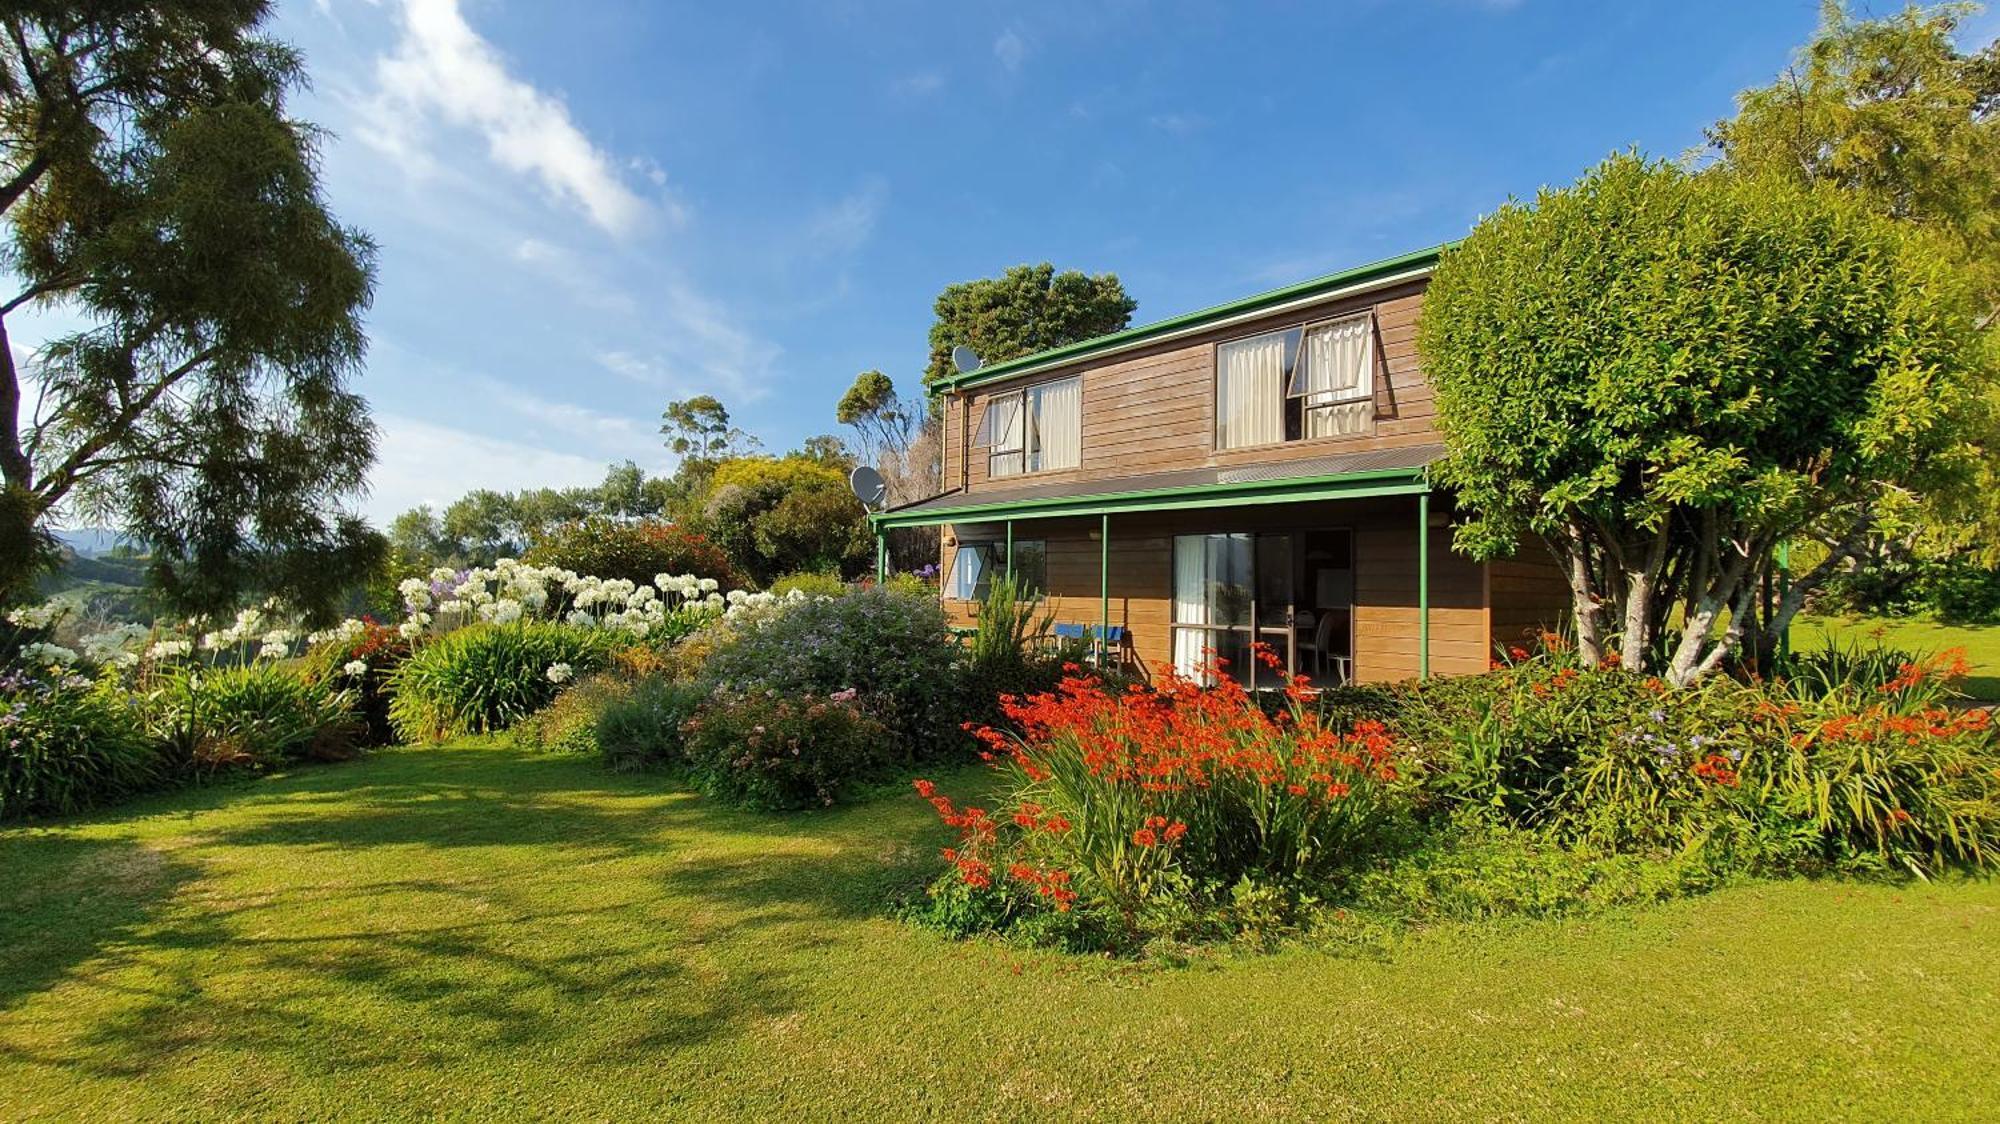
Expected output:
(1335, 379)
(968, 571)
(1056, 423)
(1031, 565)
(1000, 428)
(1250, 380)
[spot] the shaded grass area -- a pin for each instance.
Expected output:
(1980, 641)
(478, 932)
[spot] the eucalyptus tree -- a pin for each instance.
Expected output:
(156, 192)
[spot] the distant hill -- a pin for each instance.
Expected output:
(94, 542)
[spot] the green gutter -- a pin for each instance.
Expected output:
(1359, 275)
(1348, 485)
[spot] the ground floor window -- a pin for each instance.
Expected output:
(1292, 590)
(976, 564)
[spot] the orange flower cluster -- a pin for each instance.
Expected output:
(1052, 884)
(1947, 666)
(1716, 769)
(1880, 723)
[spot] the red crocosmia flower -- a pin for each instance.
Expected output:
(1517, 653)
(1175, 831)
(926, 789)
(1145, 837)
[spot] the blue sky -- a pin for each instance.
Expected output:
(588, 209)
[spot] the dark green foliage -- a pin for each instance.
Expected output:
(158, 190)
(763, 749)
(637, 552)
(383, 650)
(67, 744)
(488, 677)
(782, 515)
(893, 648)
(253, 716)
(810, 584)
(642, 729)
(1028, 308)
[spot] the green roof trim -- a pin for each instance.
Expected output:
(1346, 485)
(1130, 337)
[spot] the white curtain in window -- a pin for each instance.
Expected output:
(1058, 414)
(1191, 582)
(965, 570)
(1249, 392)
(1001, 431)
(1339, 363)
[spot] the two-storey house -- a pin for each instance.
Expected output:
(1250, 472)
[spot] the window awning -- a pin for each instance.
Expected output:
(1382, 472)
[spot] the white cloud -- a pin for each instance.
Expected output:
(444, 70)
(1179, 124)
(419, 462)
(918, 85)
(613, 437)
(1010, 49)
(847, 224)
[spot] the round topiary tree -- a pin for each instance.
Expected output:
(1664, 374)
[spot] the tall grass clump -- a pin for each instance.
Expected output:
(487, 677)
(254, 715)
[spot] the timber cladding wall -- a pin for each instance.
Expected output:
(1153, 409)
(1386, 618)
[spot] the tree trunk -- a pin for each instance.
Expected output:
(1584, 601)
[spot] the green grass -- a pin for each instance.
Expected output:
(1980, 641)
(478, 932)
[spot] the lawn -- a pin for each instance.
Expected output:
(477, 932)
(1980, 641)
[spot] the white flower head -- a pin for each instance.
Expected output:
(560, 672)
(354, 669)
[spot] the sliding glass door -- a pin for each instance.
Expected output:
(1293, 591)
(1231, 591)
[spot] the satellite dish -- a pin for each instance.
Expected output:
(868, 485)
(965, 359)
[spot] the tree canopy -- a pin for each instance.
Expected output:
(1028, 308)
(1664, 374)
(155, 188)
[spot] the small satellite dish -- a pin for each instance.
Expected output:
(868, 485)
(965, 359)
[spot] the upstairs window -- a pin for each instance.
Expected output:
(1039, 429)
(1296, 384)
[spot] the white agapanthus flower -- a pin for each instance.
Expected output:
(50, 654)
(409, 630)
(273, 652)
(169, 649)
(560, 672)
(37, 616)
(580, 618)
(708, 585)
(354, 669)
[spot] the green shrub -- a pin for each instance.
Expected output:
(380, 650)
(766, 750)
(67, 743)
(488, 677)
(1882, 780)
(810, 584)
(1869, 664)
(254, 715)
(643, 728)
(636, 552)
(893, 648)
(569, 723)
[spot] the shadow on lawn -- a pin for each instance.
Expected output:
(67, 900)
(606, 903)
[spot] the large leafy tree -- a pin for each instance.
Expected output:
(155, 188)
(1893, 110)
(1028, 308)
(1664, 374)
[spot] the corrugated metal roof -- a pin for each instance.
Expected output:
(1315, 469)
